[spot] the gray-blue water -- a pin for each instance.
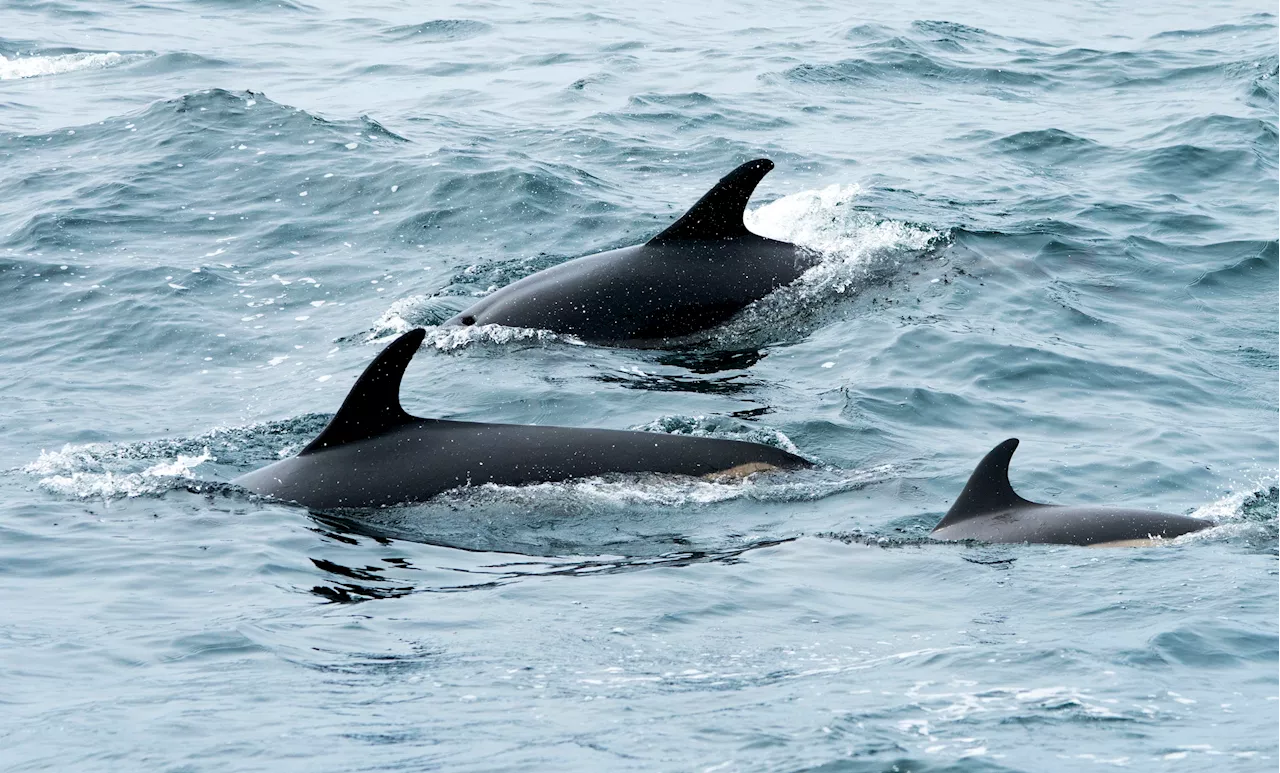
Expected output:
(1054, 221)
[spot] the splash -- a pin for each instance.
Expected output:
(60, 474)
(827, 222)
(396, 319)
(651, 490)
(152, 467)
(445, 339)
(722, 428)
(393, 323)
(434, 308)
(1249, 514)
(35, 66)
(940, 716)
(855, 250)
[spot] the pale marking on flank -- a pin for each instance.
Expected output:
(738, 473)
(1145, 542)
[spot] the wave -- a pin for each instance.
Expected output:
(438, 30)
(1246, 263)
(1221, 130)
(35, 66)
(193, 121)
(946, 56)
(1055, 144)
(1193, 167)
(1263, 88)
(902, 62)
(131, 169)
(953, 36)
(265, 6)
(949, 30)
(1262, 22)
(61, 10)
(689, 111)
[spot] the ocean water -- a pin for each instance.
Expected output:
(1051, 221)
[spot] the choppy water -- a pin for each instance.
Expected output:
(1051, 221)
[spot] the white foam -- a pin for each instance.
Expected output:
(85, 472)
(852, 245)
(651, 490)
(721, 428)
(948, 714)
(827, 221)
(393, 322)
(448, 338)
(35, 66)
(1231, 507)
(1230, 514)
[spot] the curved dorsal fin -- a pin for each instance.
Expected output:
(988, 489)
(718, 214)
(373, 404)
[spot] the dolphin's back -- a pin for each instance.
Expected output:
(417, 461)
(1082, 525)
(644, 293)
(989, 510)
(372, 453)
(694, 275)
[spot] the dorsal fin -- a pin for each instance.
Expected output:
(718, 214)
(988, 489)
(373, 404)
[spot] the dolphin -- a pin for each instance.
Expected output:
(373, 454)
(988, 510)
(695, 275)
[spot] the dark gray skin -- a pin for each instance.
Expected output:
(693, 276)
(373, 454)
(988, 510)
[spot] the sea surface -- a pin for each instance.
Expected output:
(1050, 221)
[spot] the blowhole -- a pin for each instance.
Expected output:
(468, 320)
